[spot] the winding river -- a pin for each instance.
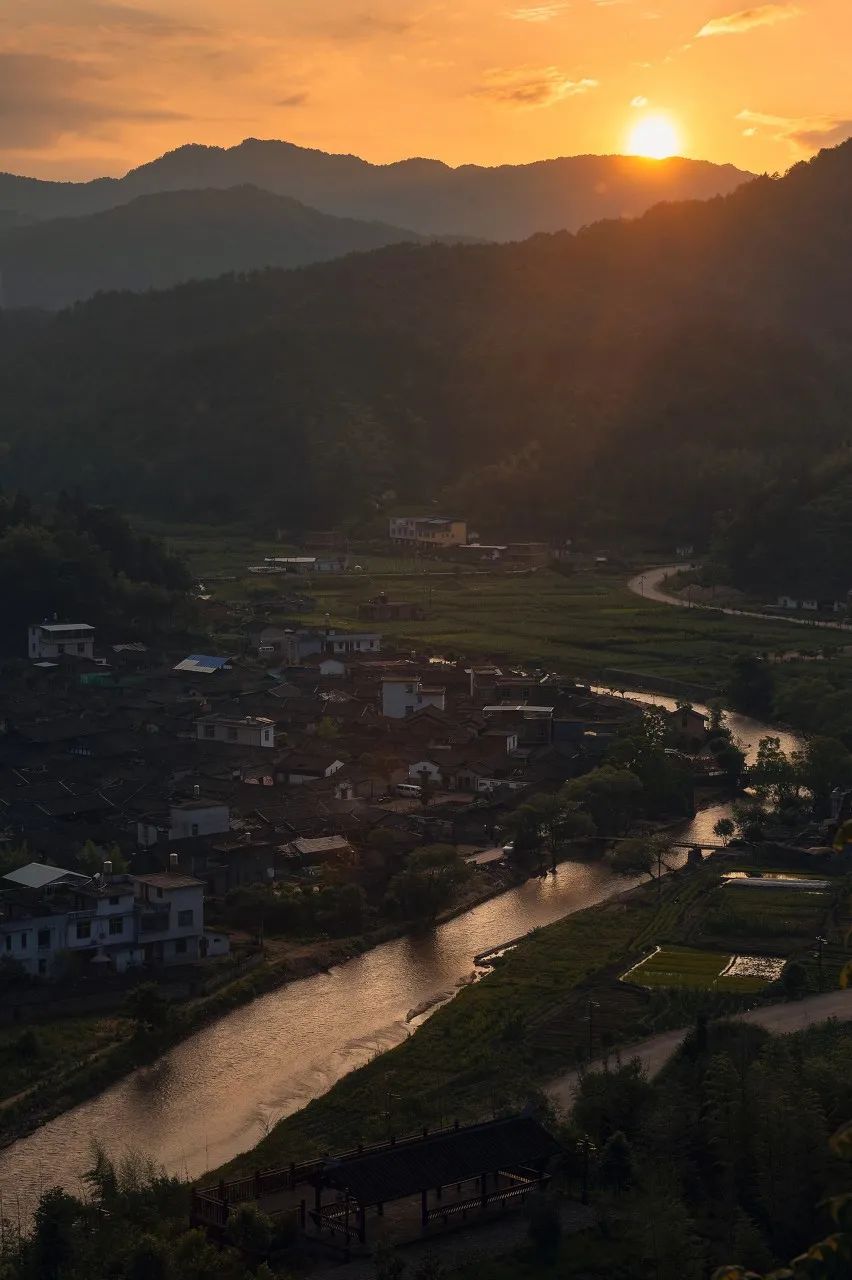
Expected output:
(218, 1092)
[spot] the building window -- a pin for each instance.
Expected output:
(232, 735)
(23, 942)
(44, 939)
(42, 968)
(116, 925)
(180, 946)
(159, 893)
(195, 828)
(81, 648)
(185, 917)
(210, 731)
(113, 902)
(8, 942)
(84, 928)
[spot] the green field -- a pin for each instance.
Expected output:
(786, 916)
(588, 623)
(675, 967)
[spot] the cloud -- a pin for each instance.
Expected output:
(538, 13)
(762, 15)
(43, 98)
(532, 87)
(805, 133)
(130, 18)
(292, 100)
(639, 101)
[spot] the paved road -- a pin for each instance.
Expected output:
(650, 585)
(777, 1018)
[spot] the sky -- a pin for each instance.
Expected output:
(91, 87)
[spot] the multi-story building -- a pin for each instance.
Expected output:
(50, 917)
(428, 531)
(403, 695)
(47, 641)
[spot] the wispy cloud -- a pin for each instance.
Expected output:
(805, 133)
(538, 13)
(762, 15)
(639, 101)
(43, 98)
(532, 86)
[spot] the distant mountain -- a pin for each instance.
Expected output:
(160, 240)
(640, 376)
(509, 202)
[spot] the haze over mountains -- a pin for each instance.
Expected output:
(508, 202)
(641, 375)
(159, 240)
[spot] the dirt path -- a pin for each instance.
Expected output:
(651, 586)
(780, 1019)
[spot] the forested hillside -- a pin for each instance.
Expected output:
(645, 375)
(159, 240)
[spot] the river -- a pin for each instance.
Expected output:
(217, 1093)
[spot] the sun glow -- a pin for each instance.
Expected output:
(656, 137)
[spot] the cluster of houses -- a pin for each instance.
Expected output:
(210, 772)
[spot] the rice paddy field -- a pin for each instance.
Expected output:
(720, 971)
(586, 622)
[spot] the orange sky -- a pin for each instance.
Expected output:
(90, 86)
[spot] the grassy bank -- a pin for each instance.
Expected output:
(498, 1041)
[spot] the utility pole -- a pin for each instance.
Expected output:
(820, 941)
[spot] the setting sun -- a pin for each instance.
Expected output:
(656, 137)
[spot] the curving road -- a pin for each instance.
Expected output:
(780, 1019)
(650, 586)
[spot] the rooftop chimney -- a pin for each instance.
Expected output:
(196, 792)
(173, 862)
(107, 869)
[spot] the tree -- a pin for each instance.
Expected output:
(615, 1168)
(773, 775)
(431, 878)
(632, 855)
(611, 796)
(724, 829)
(751, 685)
(249, 1229)
(822, 765)
(148, 1009)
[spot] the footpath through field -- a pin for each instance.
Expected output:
(780, 1019)
(650, 585)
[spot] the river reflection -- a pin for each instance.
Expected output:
(217, 1093)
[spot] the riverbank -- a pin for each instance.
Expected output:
(499, 1041)
(66, 1087)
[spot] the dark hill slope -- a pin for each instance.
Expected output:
(647, 373)
(160, 240)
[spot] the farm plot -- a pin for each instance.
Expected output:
(747, 911)
(705, 970)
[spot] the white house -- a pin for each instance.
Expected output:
(403, 695)
(120, 922)
(47, 641)
(340, 643)
(243, 731)
(184, 821)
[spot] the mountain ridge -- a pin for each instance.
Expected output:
(503, 202)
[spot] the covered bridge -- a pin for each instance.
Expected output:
(429, 1181)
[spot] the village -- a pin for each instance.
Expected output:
(171, 813)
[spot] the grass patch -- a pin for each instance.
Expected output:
(679, 967)
(32, 1054)
(783, 915)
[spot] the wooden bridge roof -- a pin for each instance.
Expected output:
(437, 1161)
